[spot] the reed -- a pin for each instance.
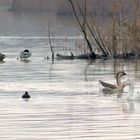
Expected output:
(121, 36)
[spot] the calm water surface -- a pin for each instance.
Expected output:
(65, 100)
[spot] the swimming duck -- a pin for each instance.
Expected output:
(132, 95)
(26, 95)
(25, 54)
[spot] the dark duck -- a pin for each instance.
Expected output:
(26, 95)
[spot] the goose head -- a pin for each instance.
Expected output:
(128, 82)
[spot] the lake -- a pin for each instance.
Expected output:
(65, 100)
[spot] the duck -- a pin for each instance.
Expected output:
(111, 88)
(25, 54)
(2, 56)
(26, 95)
(132, 94)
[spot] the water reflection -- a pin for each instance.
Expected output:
(130, 106)
(25, 60)
(26, 100)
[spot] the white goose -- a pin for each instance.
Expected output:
(111, 88)
(132, 95)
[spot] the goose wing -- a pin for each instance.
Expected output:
(107, 85)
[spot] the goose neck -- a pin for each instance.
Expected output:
(118, 80)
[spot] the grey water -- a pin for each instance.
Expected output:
(65, 100)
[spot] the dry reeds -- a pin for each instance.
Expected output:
(120, 38)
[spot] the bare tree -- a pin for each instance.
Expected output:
(83, 27)
(89, 28)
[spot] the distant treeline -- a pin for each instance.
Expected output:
(96, 7)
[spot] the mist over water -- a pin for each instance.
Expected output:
(65, 100)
